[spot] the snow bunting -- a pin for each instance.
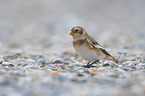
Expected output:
(87, 48)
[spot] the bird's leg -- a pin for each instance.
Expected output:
(88, 64)
(93, 63)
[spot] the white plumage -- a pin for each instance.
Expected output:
(89, 55)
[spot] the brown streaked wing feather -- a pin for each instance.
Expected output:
(93, 41)
(95, 44)
(104, 51)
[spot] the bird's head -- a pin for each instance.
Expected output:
(78, 32)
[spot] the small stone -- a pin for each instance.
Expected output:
(10, 57)
(70, 60)
(57, 62)
(126, 68)
(140, 67)
(32, 73)
(93, 70)
(106, 64)
(54, 73)
(143, 61)
(24, 55)
(101, 68)
(66, 63)
(6, 63)
(131, 64)
(80, 74)
(31, 60)
(141, 64)
(33, 67)
(132, 59)
(60, 70)
(45, 61)
(1, 60)
(78, 65)
(11, 65)
(23, 64)
(43, 65)
(133, 67)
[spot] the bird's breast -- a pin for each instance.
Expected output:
(79, 42)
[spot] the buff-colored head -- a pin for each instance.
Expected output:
(78, 32)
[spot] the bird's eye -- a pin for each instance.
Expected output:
(76, 30)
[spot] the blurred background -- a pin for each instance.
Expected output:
(45, 24)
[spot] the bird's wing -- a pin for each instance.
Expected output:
(93, 41)
(98, 46)
(101, 49)
(95, 44)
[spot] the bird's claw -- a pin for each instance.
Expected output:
(88, 66)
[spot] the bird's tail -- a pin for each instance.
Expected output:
(115, 60)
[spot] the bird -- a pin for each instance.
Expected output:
(88, 48)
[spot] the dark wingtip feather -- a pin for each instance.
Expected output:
(115, 60)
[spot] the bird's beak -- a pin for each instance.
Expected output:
(71, 33)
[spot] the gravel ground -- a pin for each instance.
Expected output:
(24, 74)
(37, 57)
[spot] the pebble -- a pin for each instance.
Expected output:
(66, 63)
(106, 64)
(45, 61)
(141, 64)
(1, 60)
(57, 61)
(54, 73)
(7, 63)
(126, 68)
(143, 61)
(93, 71)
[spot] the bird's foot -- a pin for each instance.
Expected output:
(87, 66)
(90, 65)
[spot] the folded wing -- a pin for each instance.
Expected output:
(96, 45)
